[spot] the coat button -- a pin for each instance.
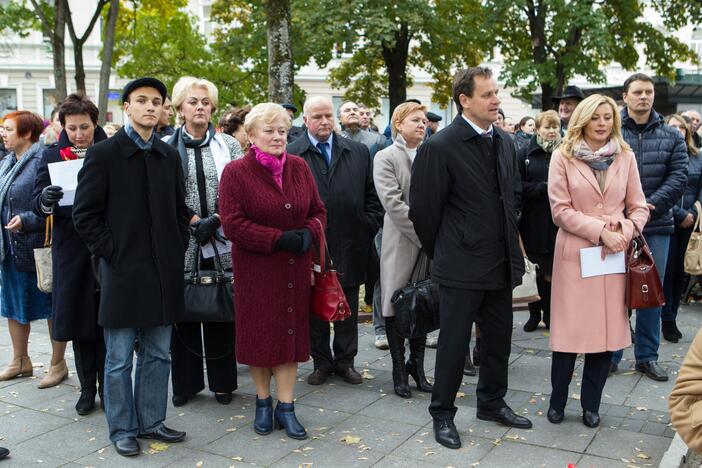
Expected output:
(290, 332)
(290, 309)
(324, 172)
(599, 205)
(291, 261)
(288, 206)
(290, 285)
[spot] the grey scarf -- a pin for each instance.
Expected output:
(8, 172)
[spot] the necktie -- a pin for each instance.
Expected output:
(487, 135)
(322, 147)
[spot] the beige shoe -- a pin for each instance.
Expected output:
(57, 374)
(19, 367)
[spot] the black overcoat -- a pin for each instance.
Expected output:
(130, 211)
(74, 300)
(449, 196)
(354, 212)
(536, 224)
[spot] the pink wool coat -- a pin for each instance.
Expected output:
(589, 315)
(272, 288)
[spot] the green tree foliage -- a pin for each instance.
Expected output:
(548, 42)
(159, 38)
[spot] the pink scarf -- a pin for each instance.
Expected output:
(273, 164)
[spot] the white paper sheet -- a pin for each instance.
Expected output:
(65, 175)
(207, 250)
(591, 263)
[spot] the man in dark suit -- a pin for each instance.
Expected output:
(462, 204)
(295, 131)
(344, 175)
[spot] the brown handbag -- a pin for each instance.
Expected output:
(643, 284)
(328, 299)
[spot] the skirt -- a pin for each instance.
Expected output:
(20, 298)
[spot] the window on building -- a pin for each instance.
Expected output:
(8, 101)
(696, 40)
(50, 101)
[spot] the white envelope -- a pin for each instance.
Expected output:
(591, 263)
(65, 175)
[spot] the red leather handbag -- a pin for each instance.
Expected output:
(643, 284)
(328, 299)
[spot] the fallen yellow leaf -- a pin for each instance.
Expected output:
(350, 440)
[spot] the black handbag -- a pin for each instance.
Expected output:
(209, 295)
(417, 304)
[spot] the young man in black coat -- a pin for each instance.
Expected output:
(344, 175)
(130, 211)
(463, 206)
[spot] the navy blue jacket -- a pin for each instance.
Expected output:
(693, 191)
(19, 202)
(661, 157)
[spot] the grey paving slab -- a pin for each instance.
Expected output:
(517, 455)
(427, 450)
(348, 399)
(21, 459)
(570, 435)
(618, 444)
(531, 374)
(319, 453)
(200, 459)
(153, 454)
(69, 442)
(375, 433)
(589, 461)
(393, 461)
(249, 447)
(203, 429)
(23, 425)
(393, 408)
(650, 394)
(26, 394)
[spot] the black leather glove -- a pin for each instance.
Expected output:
(290, 241)
(204, 228)
(51, 195)
(306, 237)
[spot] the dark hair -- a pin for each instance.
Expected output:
(464, 82)
(502, 113)
(525, 120)
(27, 123)
(232, 120)
(636, 77)
(78, 104)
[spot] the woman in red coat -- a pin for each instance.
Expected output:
(272, 213)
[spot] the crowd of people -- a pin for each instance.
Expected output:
(474, 198)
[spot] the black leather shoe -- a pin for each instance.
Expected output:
(318, 377)
(468, 367)
(349, 374)
(223, 398)
(4, 453)
(612, 368)
(591, 419)
(476, 352)
(446, 434)
(86, 402)
(127, 447)
(554, 417)
(669, 331)
(179, 400)
(505, 416)
(653, 370)
(164, 434)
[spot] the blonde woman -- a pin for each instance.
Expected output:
(392, 169)
(596, 199)
(203, 154)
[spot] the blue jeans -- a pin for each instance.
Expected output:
(648, 321)
(143, 409)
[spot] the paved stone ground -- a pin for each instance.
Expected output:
(364, 425)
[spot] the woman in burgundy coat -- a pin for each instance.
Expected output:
(272, 213)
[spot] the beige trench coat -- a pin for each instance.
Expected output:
(685, 401)
(589, 315)
(392, 168)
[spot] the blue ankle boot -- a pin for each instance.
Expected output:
(285, 418)
(263, 424)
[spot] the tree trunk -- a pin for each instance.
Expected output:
(80, 67)
(547, 93)
(108, 47)
(58, 49)
(280, 59)
(395, 58)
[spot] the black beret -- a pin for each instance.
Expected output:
(289, 106)
(432, 117)
(146, 82)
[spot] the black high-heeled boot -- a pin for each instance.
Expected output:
(415, 364)
(397, 353)
(534, 317)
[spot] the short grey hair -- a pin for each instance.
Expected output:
(338, 111)
(186, 83)
(266, 112)
(311, 101)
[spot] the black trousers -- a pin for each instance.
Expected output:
(674, 280)
(544, 304)
(187, 371)
(89, 356)
(372, 275)
(345, 338)
(492, 311)
(594, 379)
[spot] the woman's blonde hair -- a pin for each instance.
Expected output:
(691, 148)
(547, 117)
(582, 115)
(186, 83)
(266, 112)
(401, 112)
